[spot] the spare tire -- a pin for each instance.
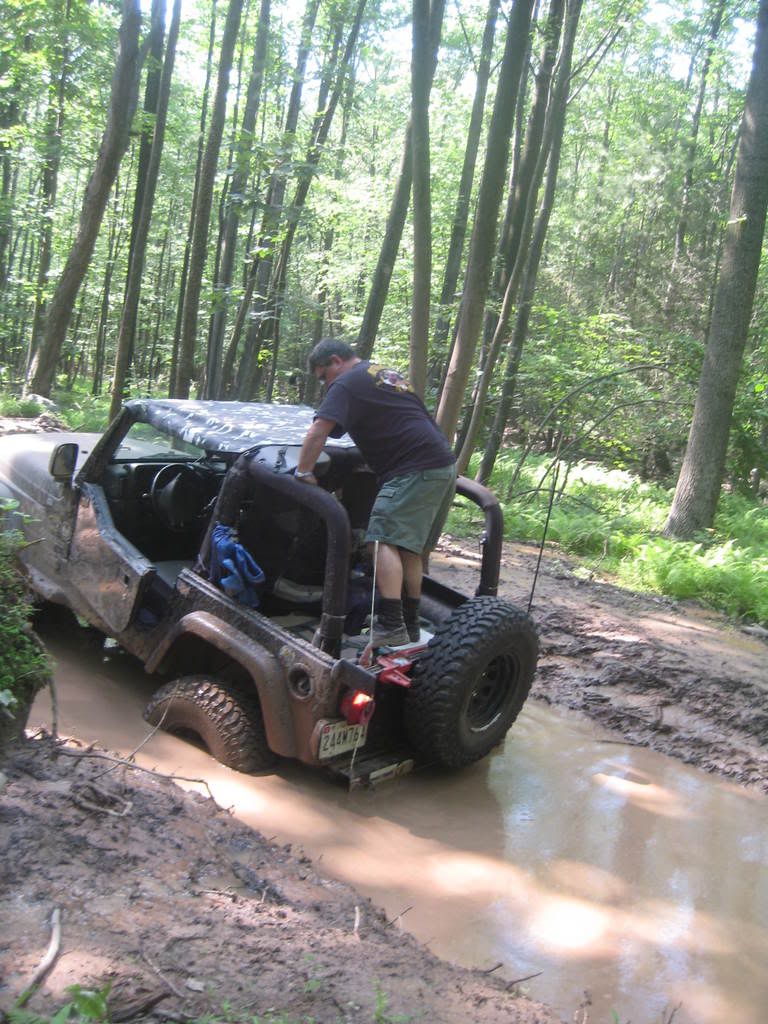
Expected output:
(469, 686)
(223, 716)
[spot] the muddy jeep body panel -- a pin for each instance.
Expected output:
(126, 547)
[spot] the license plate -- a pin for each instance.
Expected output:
(338, 737)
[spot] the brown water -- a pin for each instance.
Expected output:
(602, 866)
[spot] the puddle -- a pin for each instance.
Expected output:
(590, 864)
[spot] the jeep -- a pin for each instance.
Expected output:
(182, 534)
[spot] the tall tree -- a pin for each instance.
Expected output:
(338, 68)
(553, 139)
(122, 106)
(524, 183)
(421, 83)
(50, 180)
(701, 475)
(129, 316)
(486, 216)
(261, 268)
(186, 361)
(461, 212)
(691, 145)
(398, 211)
(518, 222)
(237, 185)
(201, 136)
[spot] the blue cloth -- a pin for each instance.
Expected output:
(233, 569)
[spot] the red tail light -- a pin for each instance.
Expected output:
(357, 707)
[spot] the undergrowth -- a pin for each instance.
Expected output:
(23, 665)
(91, 1006)
(612, 521)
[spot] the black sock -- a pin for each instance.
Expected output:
(411, 610)
(390, 611)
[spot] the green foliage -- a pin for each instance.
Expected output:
(23, 666)
(613, 521)
(82, 411)
(85, 1006)
(16, 405)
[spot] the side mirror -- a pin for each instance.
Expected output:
(63, 461)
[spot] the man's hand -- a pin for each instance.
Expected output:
(314, 442)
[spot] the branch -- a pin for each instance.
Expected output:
(48, 960)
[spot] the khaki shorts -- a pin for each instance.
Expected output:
(410, 510)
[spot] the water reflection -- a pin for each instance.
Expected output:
(603, 867)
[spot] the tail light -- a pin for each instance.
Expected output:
(357, 707)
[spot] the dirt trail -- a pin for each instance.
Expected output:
(667, 675)
(183, 910)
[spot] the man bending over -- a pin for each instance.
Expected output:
(413, 462)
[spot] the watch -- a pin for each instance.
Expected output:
(302, 474)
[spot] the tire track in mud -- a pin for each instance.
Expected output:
(673, 677)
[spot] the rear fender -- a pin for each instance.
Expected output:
(263, 668)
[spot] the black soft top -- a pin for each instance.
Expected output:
(229, 426)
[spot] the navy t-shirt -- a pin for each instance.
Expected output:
(387, 421)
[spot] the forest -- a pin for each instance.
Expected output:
(550, 212)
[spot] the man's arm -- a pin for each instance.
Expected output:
(314, 442)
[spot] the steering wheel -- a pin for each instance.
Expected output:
(178, 495)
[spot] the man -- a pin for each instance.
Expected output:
(414, 464)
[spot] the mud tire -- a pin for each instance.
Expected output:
(469, 687)
(225, 718)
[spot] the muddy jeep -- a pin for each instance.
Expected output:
(124, 529)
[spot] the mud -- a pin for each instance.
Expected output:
(642, 883)
(183, 910)
(670, 676)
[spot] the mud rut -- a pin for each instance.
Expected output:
(666, 675)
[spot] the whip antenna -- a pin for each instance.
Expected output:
(552, 493)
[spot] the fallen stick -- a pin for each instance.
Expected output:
(166, 981)
(519, 981)
(48, 960)
(136, 767)
(398, 916)
(490, 970)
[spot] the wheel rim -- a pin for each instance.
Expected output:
(491, 692)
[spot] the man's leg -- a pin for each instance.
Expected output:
(402, 519)
(388, 628)
(389, 570)
(412, 577)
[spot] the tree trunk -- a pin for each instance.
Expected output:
(421, 82)
(461, 214)
(260, 275)
(525, 183)
(195, 190)
(554, 129)
(397, 214)
(681, 228)
(49, 188)
(185, 370)
(237, 185)
(701, 475)
(543, 137)
(338, 69)
(122, 106)
(155, 40)
(113, 246)
(482, 244)
(127, 331)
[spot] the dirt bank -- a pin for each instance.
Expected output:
(183, 910)
(666, 675)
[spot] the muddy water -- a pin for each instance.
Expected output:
(590, 864)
